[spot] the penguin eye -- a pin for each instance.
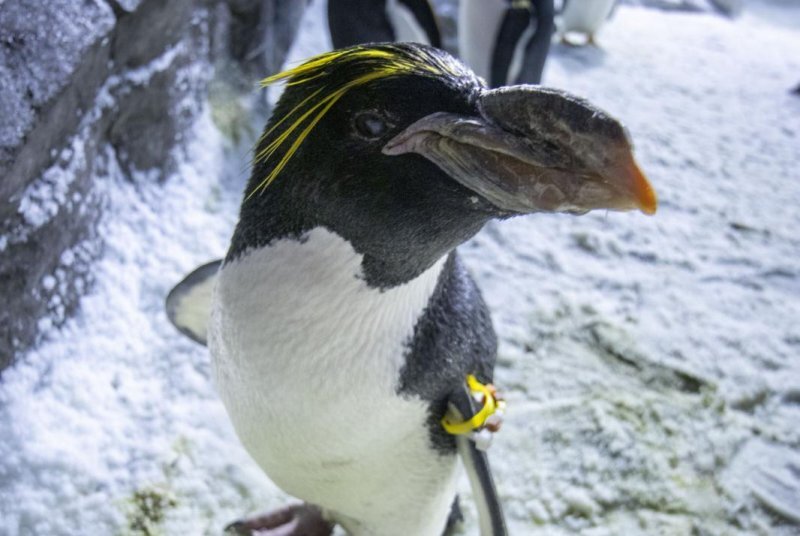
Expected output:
(370, 125)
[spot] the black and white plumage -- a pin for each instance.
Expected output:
(506, 41)
(585, 17)
(354, 22)
(342, 322)
(503, 41)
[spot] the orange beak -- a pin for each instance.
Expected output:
(639, 187)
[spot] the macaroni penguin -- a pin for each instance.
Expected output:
(342, 325)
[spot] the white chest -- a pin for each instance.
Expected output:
(585, 15)
(478, 23)
(307, 359)
(478, 31)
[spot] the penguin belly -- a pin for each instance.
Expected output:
(306, 359)
(585, 16)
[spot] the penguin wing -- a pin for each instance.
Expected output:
(352, 22)
(426, 17)
(522, 43)
(512, 28)
(538, 46)
(476, 464)
(189, 303)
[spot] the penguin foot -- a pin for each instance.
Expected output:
(295, 520)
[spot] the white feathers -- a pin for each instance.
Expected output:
(307, 359)
(478, 24)
(585, 16)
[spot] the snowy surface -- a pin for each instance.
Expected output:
(652, 365)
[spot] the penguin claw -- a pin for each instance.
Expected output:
(295, 520)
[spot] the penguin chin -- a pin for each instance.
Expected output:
(510, 163)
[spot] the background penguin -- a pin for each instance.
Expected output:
(342, 321)
(505, 41)
(584, 16)
(353, 22)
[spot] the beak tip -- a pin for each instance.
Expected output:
(641, 189)
(649, 204)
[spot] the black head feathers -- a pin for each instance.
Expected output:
(328, 77)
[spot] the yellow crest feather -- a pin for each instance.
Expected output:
(376, 62)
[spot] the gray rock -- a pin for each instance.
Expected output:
(16, 113)
(45, 47)
(46, 266)
(164, 24)
(154, 110)
(124, 6)
(88, 83)
(53, 57)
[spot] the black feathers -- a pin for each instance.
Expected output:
(401, 212)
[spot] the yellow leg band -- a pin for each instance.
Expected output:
(490, 406)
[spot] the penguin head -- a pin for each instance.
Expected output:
(401, 150)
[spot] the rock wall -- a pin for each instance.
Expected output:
(80, 78)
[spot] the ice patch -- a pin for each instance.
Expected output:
(42, 200)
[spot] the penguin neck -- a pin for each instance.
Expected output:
(265, 218)
(394, 251)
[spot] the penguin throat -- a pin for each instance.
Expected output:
(393, 252)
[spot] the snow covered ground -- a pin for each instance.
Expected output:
(652, 365)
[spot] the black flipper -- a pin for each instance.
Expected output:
(353, 22)
(453, 338)
(423, 13)
(538, 46)
(455, 518)
(189, 303)
(515, 22)
(461, 406)
(538, 13)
